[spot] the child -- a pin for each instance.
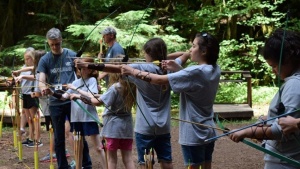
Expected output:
(80, 121)
(197, 86)
(152, 126)
(30, 104)
(117, 120)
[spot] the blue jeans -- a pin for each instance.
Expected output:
(196, 155)
(160, 143)
(58, 115)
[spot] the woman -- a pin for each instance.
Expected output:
(287, 68)
(197, 86)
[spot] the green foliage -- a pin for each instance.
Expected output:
(244, 55)
(237, 93)
(3, 103)
(129, 32)
(263, 94)
(231, 93)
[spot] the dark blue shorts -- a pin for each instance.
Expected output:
(160, 143)
(196, 155)
(29, 102)
(85, 128)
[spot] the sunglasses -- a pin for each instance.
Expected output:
(204, 36)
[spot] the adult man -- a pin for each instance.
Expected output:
(114, 48)
(57, 67)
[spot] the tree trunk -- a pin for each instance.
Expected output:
(8, 25)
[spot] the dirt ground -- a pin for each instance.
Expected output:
(227, 154)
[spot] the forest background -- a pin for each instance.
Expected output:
(241, 27)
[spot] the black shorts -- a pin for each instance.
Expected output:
(29, 102)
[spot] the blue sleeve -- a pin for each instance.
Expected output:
(43, 66)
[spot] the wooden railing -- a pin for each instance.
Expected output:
(236, 110)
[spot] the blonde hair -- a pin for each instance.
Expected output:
(127, 90)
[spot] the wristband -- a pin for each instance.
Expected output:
(57, 95)
(86, 99)
(99, 66)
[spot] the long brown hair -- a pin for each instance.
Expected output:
(127, 90)
(37, 56)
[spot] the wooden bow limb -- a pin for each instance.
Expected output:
(51, 149)
(199, 124)
(101, 51)
(36, 156)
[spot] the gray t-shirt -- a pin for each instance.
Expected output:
(59, 70)
(154, 102)
(197, 86)
(26, 85)
(78, 115)
(116, 125)
(43, 100)
(287, 145)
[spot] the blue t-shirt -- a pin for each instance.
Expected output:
(59, 70)
(113, 51)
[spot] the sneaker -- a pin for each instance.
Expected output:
(47, 158)
(31, 145)
(67, 153)
(27, 141)
(72, 164)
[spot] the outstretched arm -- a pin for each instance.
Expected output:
(24, 69)
(255, 132)
(146, 76)
(98, 66)
(87, 99)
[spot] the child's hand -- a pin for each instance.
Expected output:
(46, 92)
(74, 96)
(70, 86)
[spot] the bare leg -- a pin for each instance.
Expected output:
(30, 122)
(167, 165)
(32, 113)
(127, 159)
(97, 143)
(112, 159)
(23, 120)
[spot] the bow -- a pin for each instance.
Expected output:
(258, 147)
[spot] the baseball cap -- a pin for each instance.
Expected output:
(108, 30)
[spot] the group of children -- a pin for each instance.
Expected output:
(147, 88)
